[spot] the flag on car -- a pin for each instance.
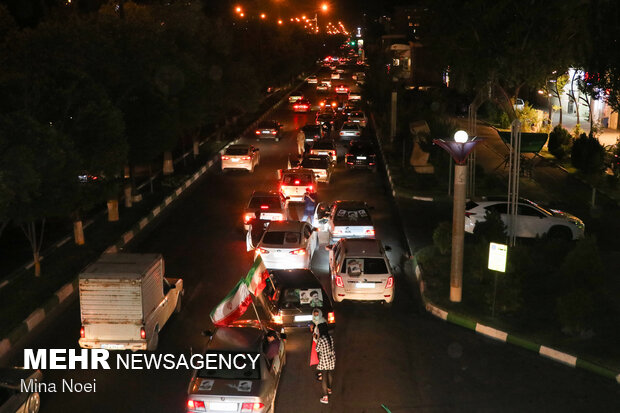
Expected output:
(239, 298)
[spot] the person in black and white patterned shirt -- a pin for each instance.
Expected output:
(327, 360)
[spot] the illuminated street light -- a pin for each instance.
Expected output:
(238, 9)
(459, 149)
(303, 17)
(241, 15)
(324, 7)
(280, 21)
(263, 15)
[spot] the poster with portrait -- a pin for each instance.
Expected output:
(355, 266)
(311, 296)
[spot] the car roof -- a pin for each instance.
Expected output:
(284, 226)
(261, 194)
(237, 338)
(311, 126)
(295, 278)
(297, 171)
(323, 144)
(351, 204)
(239, 146)
(350, 124)
(362, 246)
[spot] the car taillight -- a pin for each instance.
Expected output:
(264, 207)
(262, 251)
(296, 182)
(341, 133)
(277, 319)
(82, 332)
(331, 317)
(196, 405)
(273, 132)
(349, 154)
(142, 333)
(225, 158)
(247, 217)
(299, 251)
(390, 282)
(310, 188)
(251, 407)
(468, 214)
(257, 132)
(370, 232)
(246, 158)
(339, 282)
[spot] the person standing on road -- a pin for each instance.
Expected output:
(327, 360)
(309, 206)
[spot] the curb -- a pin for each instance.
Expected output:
(68, 290)
(457, 319)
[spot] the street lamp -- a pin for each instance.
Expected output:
(459, 149)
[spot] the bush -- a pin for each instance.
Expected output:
(587, 154)
(560, 141)
(442, 238)
(576, 311)
(528, 116)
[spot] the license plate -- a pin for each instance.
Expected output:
(269, 216)
(361, 157)
(364, 285)
(323, 153)
(223, 407)
(237, 159)
(113, 346)
(303, 317)
(265, 132)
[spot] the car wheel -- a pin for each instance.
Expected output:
(33, 404)
(560, 233)
(152, 345)
(177, 309)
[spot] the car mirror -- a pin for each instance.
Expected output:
(283, 336)
(387, 248)
(328, 248)
(315, 229)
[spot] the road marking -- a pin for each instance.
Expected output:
(64, 292)
(35, 318)
(127, 236)
(437, 312)
(491, 332)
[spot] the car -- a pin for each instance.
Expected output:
(335, 75)
(358, 75)
(294, 183)
(350, 107)
(324, 147)
(324, 86)
(307, 135)
(268, 129)
(239, 387)
(321, 165)
(344, 219)
(340, 69)
(349, 131)
(290, 296)
(302, 105)
(361, 154)
(287, 245)
(312, 79)
(519, 104)
(358, 117)
(342, 89)
(361, 271)
(326, 120)
(266, 206)
(532, 221)
(294, 97)
(17, 395)
(241, 157)
(355, 96)
(327, 104)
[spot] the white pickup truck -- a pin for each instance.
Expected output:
(125, 301)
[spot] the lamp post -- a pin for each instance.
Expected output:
(459, 149)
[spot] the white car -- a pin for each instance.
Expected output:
(344, 219)
(532, 220)
(358, 117)
(241, 157)
(287, 245)
(294, 97)
(360, 271)
(324, 85)
(335, 75)
(312, 79)
(18, 390)
(350, 130)
(294, 183)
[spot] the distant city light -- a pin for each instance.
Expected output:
(238, 9)
(263, 15)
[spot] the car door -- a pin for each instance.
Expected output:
(531, 222)
(321, 216)
(308, 239)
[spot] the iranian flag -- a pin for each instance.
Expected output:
(239, 298)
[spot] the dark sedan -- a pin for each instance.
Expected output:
(361, 154)
(268, 129)
(290, 296)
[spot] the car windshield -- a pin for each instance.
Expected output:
(229, 370)
(237, 151)
(297, 179)
(281, 238)
(349, 126)
(323, 145)
(306, 296)
(272, 202)
(357, 266)
(352, 216)
(325, 116)
(357, 115)
(267, 125)
(361, 149)
(314, 163)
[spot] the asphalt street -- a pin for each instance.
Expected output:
(399, 357)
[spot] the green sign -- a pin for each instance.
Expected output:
(497, 256)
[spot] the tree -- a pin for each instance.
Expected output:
(587, 154)
(498, 48)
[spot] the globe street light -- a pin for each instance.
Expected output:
(459, 149)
